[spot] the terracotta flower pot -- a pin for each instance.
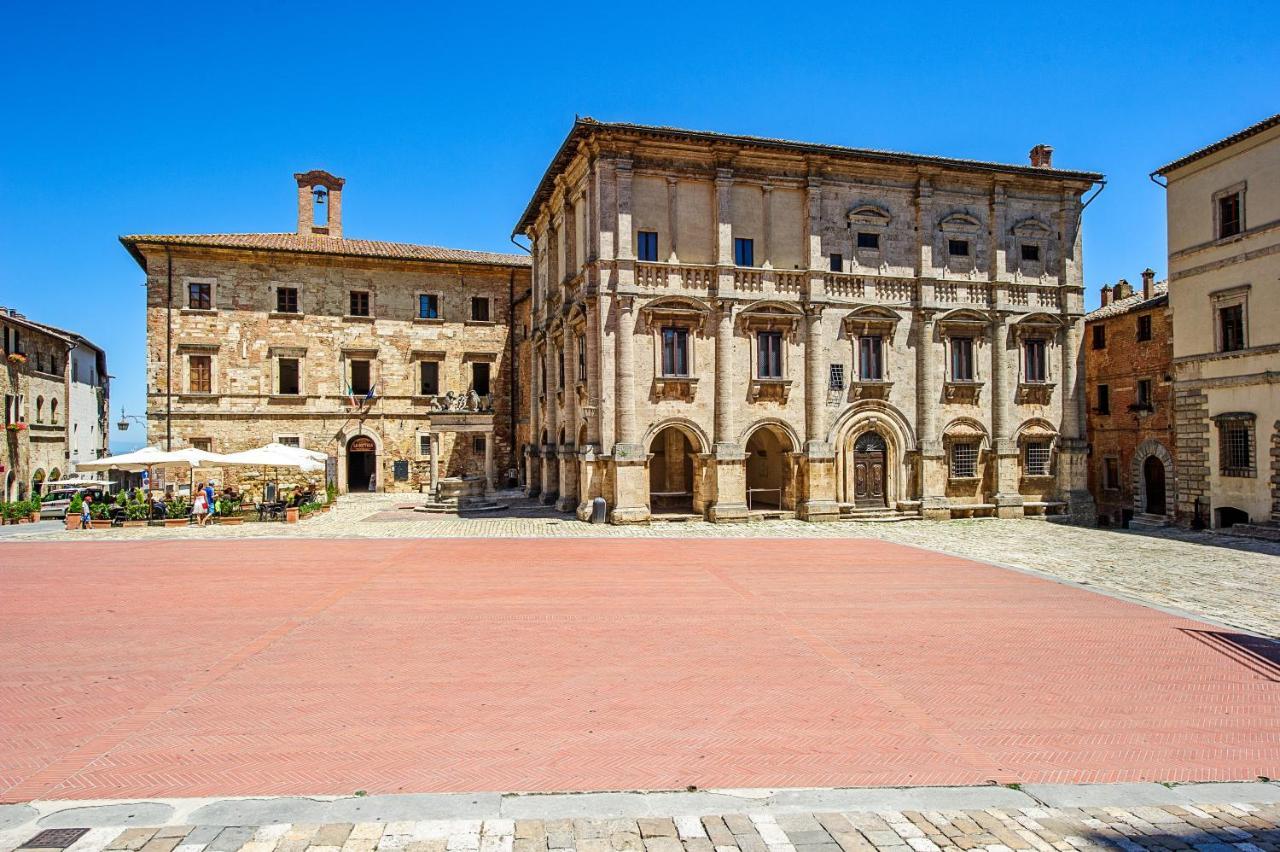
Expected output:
(72, 521)
(35, 516)
(101, 524)
(230, 520)
(135, 523)
(176, 522)
(291, 515)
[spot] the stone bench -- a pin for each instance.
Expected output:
(972, 510)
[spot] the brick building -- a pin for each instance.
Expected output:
(56, 395)
(1129, 385)
(727, 325)
(394, 359)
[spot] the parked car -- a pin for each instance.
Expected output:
(54, 503)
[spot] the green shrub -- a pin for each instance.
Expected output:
(77, 505)
(178, 508)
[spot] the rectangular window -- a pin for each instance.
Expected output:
(1035, 366)
(1231, 327)
(1142, 397)
(582, 357)
(1230, 221)
(479, 309)
(1144, 327)
(205, 444)
(744, 252)
(360, 377)
(1104, 399)
(870, 358)
(200, 296)
(289, 440)
(1037, 458)
(560, 366)
(429, 378)
(359, 303)
(428, 306)
(200, 374)
(837, 263)
(647, 245)
(424, 445)
(1099, 337)
(1031, 252)
(868, 240)
(1235, 447)
(477, 444)
(958, 248)
(1111, 474)
(288, 376)
(480, 377)
(836, 380)
(964, 461)
(962, 359)
(286, 300)
(675, 352)
(769, 354)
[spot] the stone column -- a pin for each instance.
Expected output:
(728, 492)
(631, 490)
(1004, 450)
(1073, 452)
(673, 222)
(435, 465)
(490, 475)
(817, 462)
(933, 472)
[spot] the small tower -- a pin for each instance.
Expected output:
(319, 204)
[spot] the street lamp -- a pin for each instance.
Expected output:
(123, 423)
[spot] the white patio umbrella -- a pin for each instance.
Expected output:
(276, 456)
(149, 457)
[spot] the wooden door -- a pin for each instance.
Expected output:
(869, 471)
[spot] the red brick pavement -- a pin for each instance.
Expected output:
(271, 667)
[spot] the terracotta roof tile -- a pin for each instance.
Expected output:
(1159, 295)
(1251, 130)
(300, 244)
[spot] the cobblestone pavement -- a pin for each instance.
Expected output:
(1229, 580)
(311, 666)
(1238, 827)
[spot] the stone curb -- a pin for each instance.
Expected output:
(19, 818)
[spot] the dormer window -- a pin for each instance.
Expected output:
(960, 233)
(868, 224)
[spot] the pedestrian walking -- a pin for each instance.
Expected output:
(210, 505)
(84, 512)
(200, 507)
(373, 482)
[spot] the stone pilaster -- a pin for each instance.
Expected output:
(933, 468)
(1004, 450)
(1073, 455)
(727, 463)
(631, 486)
(1191, 434)
(817, 461)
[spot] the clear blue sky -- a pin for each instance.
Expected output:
(126, 118)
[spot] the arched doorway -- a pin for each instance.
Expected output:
(869, 470)
(671, 469)
(37, 483)
(362, 464)
(768, 469)
(1153, 482)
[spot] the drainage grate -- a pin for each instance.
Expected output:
(55, 838)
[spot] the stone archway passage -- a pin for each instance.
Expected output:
(1154, 485)
(362, 464)
(671, 469)
(768, 470)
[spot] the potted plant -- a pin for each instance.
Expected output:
(72, 518)
(135, 513)
(100, 515)
(34, 506)
(20, 426)
(17, 359)
(177, 513)
(228, 511)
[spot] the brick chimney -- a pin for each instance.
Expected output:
(1123, 290)
(1106, 295)
(1042, 156)
(1148, 283)
(319, 204)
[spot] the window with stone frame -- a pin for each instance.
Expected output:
(1236, 456)
(359, 303)
(769, 354)
(675, 351)
(477, 444)
(1230, 213)
(286, 300)
(837, 262)
(480, 311)
(835, 381)
(203, 444)
(1035, 366)
(647, 245)
(1144, 328)
(957, 248)
(868, 241)
(289, 440)
(1231, 328)
(424, 444)
(871, 358)
(1035, 458)
(288, 376)
(200, 295)
(199, 374)
(428, 306)
(964, 460)
(1142, 397)
(1030, 252)
(582, 358)
(744, 251)
(480, 375)
(1099, 336)
(359, 373)
(429, 378)
(560, 371)
(961, 360)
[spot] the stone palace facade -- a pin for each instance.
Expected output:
(726, 325)
(394, 359)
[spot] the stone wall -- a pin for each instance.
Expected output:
(1191, 427)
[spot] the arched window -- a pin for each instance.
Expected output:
(39, 409)
(53, 410)
(320, 207)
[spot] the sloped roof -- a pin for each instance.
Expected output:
(1251, 130)
(320, 245)
(1159, 296)
(68, 336)
(585, 126)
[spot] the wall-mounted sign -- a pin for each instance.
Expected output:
(400, 470)
(361, 444)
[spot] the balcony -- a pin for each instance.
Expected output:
(674, 277)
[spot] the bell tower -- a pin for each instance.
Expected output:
(319, 204)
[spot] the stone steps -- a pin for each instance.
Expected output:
(876, 514)
(1147, 521)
